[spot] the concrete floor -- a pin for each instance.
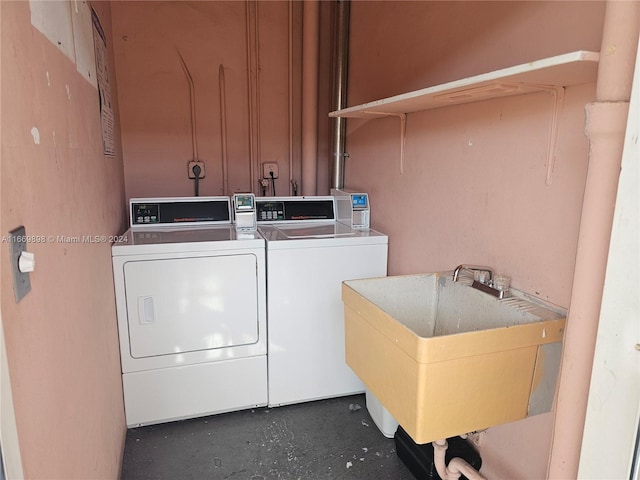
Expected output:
(327, 439)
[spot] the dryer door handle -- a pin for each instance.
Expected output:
(146, 314)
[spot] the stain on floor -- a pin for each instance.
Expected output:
(327, 439)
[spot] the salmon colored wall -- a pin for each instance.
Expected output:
(154, 93)
(61, 338)
(397, 47)
(473, 188)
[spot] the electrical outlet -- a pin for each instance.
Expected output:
(267, 168)
(190, 169)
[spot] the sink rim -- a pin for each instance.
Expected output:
(428, 349)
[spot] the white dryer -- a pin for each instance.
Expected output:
(309, 254)
(191, 307)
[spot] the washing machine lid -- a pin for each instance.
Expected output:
(314, 230)
(181, 235)
(318, 235)
(140, 240)
(312, 220)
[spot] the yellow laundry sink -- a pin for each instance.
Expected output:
(445, 358)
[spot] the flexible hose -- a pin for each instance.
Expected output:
(196, 180)
(273, 183)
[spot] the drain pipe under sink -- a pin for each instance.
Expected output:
(457, 466)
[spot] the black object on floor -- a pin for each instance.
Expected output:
(327, 439)
(419, 457)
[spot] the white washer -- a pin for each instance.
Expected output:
(309, 254)
(191, 307)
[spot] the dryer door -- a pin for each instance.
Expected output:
(191, 304)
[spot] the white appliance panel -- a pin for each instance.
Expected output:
(131, 364)
(182, 240)
(316, 234)
(190, 304)
(167, 394)
(306, 320)
(331, 230)
(191, 310)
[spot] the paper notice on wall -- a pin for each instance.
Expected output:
(104, 88)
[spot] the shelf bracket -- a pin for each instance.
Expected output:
(403, 131)
(558, 103)
(557, 93)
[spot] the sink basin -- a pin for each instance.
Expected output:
(446, 359)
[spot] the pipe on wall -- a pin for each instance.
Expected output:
(310, 54)
(290, 94)
(192, 107)
(339, 100)
(253, 91)
(256, 67)
(223, 130)
(605, 129)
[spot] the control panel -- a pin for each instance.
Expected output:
(360, 201)
(353, 208)
(150, 212)
(142, 213)
(244, 205)
(270, 211)
(295, 209)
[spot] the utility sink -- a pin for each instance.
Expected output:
(446, 359)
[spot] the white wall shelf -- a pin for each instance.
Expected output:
(560, 71)
(549, 75)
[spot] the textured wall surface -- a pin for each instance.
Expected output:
(61, 339)
(473, 185)
(242, 116)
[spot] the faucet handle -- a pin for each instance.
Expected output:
(482, 276)
(474, 268)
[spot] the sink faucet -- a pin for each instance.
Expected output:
(459, 268)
